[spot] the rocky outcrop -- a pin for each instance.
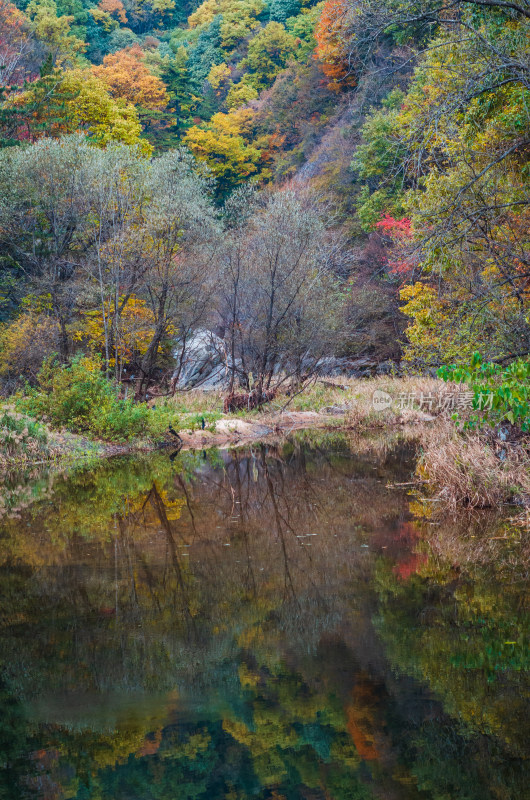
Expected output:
(205, 364)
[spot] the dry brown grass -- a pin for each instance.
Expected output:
(363, 415)
(196, 401)
(353, 394)
(464, 469)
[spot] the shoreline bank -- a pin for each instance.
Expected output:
(456, 468)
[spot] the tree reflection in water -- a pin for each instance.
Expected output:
(269, 623)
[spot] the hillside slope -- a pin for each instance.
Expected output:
(411, 122)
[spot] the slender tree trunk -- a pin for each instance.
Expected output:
(63, 339)
(149, 359)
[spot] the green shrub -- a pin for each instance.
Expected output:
(160, 417)
(500, 393)
(20, 436)
(77, 396)
(208, 418)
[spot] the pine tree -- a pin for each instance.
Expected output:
(280, 10)
(207, 52)
(182, 90)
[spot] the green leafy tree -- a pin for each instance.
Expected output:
(268, 53)
(303, 27)
(380, 165)
(280, 10)
(207, 52)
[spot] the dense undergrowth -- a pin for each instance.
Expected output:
(78, 397)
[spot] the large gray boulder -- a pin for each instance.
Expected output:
(205, 364)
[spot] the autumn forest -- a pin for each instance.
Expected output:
(400, 130)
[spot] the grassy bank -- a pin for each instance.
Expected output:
(456, 468)
(483, 466)
(26, 441)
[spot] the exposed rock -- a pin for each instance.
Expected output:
(242, 428)
(205, 364)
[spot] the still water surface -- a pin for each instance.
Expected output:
(275, 623)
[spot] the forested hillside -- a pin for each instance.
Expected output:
(158, 156)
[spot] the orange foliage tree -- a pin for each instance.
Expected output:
(330, 35)
(115, 7)
(127, 77)
(15, 43)
(401, 233)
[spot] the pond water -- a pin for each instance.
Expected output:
(275, 622)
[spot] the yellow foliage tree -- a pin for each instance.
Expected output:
(81, 103)
(25, 342)
(218, 76)
(54, 32)
(133, 330)
(90, 108)
(225, 146)
(162, 6)
(239, 18)
(104, 19)
(240, 94)
(434, 334)
(268, 53)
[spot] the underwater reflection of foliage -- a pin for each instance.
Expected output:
(244, 580)
(119, 582)
(456, 623)
(14, 767)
